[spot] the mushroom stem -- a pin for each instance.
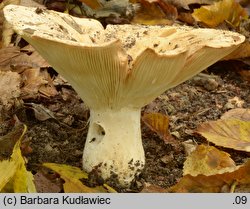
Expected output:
(114, 144)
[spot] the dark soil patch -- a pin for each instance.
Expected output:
(61, 139)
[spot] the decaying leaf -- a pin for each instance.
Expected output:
(150, 188)
(152, 13)
(214, 183)
(208, 160)
(243, 51)
(10, 86)
(72, 175)
(238, 113)
(185, 3)
(158, 123)
(44, 184)
(16, 59)
(8, 141)
(93, 4)
(13, 173)
(37, 81)
(225, 10)
(230, 133)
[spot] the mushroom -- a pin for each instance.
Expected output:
(117, 71)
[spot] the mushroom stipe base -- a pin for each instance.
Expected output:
(114, 144)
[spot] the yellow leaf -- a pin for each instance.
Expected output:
(8, 168)
(7, 171)
(67, 171)
(208, 160)
(23, 180)
(76, 186)
(214, 183)
(217, 13)
(158, 123)
(72, 175)
(231, 133)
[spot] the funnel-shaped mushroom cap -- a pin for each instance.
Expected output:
(122, 65)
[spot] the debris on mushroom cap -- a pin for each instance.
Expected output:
(123, 64)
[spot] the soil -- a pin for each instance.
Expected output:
(60, 137)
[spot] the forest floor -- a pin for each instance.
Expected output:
(60, 139)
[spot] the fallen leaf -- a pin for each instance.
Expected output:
(67, 171)
(212, 15)
(230, 133)
(237, 113)
(189, 146)
(37, 82)
(6, 55)
(158, 123)
(13, 173)
(41, 113)
(46, 185)
(8, 141)
(185, 3)
(10, 87)
(23, 179)
(72, 175)
(150, 13)
(150, 188)
(186, 18)
(245, 74)
(93, 4)
(213, 183)
(208, 160)
(7, 171)
(243, 51)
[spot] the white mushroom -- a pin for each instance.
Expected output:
(116, 71)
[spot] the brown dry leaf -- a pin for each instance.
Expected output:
(150, 188)
(242, 51)
(208, 160)
(6, 55)
(93, 4)
(186, 18)
(45, 185)
(185, 3)
(150, 13)
(41, 113)
(37, 81)
(230, 133)
(8, 141)
(213, 16)
(245, 74)
(238, 113)
(33, 80)
(11, 58)
(214, 183)
(32, 3)
(158, 123)
(10, 87)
